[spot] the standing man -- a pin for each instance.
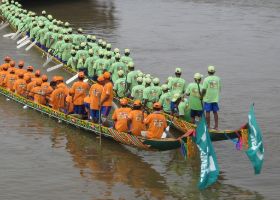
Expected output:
(107, 95)
(194, 94)
(177, 85)
(211, 95)
(95, 98)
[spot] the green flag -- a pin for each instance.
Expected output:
(255, 151)
(209, 169)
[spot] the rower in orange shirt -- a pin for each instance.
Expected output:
(60, 82)
(20, 69)
(29, 72)
(136, 119)
(37, 76)
(95, 98)
(10, 80)
(3, 75)
(120, 116)
(38, 94)
(31, 84)
(20, 85)
(12, 66)
(7, 60)
(47, 89)
(156, 123)
(80, 90)
(57, 99)
(107, 95)
(69, 102)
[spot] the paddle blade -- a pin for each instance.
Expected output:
(71, 79)
(8, 35)
(86, 80)
(22, 39)
(47, 61)
(16, 37)
(23, 44)
(30, 46)
(16, 34)
(55, 67)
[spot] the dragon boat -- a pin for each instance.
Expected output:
(181, 126)
(120, 137)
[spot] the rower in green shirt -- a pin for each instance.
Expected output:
(90, 64)
(211, 95)
(165, 99)
(184, 110)
(47, 37)
(100, 64)
(119, 85)
(73, 62)
(41, 33)
(194, 94)
(65, 49)
(150, 94)
(117, 66)
(137, 91)
(126, 58)
(79, 38)
(131, 79)
(81, 56)
(34, 30)
(177, 84)
(157, 88)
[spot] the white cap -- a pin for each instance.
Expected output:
(178, 70)
(90, 51)
(118, 55)
(164, 87)
(83, 44)
(156, 80)
(211, 68)
(130, 65)
(44, 12)
(139, 79)
(120, 72)
(93, 37)
(197, 76)
(126, 51)
(80, 30)
(148, 80)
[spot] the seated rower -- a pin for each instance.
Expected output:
(6, 63)
(10, 80)
(20, 85)
(95, 99)
(38, 94)
(156, 123)
(69, 107)
(47, 89)
(37, 76)
(57, 99)
(20, 69)
(3, 75)
(12, 66)
(80, 90)
(29, 72)
(120, 116)
(136, 119)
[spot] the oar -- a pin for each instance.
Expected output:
(4, 26)
(49, 59)
(99, 119)
(22, 39)
(23, 44)
(16, 37)
(8, 35)
(86, 80)
(16, 34)
(72, 79)
(30, 46)
(55, 67)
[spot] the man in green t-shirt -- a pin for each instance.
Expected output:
(165, 99)
(211, 93)
(176, 84)
(194, 92)
(119, 85)
(137, 91)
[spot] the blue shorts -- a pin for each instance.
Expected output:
(196, 113)
(79, 109)
(105, 110)
(87, 106)
(208, 107)
(94, 114)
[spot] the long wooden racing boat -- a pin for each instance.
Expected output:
(176, 123)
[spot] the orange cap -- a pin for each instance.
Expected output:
(81, 75)
(37, 73)
(137, 103)
(12, 63)
(100, 78)
(21, 63)
(30, 68)
(157, 105)
(54, 78)
(107, 75)
(12, 71)
(123, 101)
(44, 78)
(7, 59)
(21, 75)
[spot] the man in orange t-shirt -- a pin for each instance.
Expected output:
(136, 119)
(107, 95)
(60, 82)
(12, 66)
(20, 85)
(120, 116)
(3, 75)
(38, 94)
(20, 69)
(29, 72)
(10, 80)
(69, 102)
(6, 63)
(47, 89)
(95, 98)
(156, 123)
(80, 91)
(57, 99)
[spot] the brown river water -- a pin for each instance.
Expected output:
(42, 159)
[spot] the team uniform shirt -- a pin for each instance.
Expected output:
(107, 90)
(151, 94)
(156, 125)
(3, 75)
(212, 85)
(137, 92)
(184, 110)
(126, 59)
(20, 71)
(117, 66)
(119, 87)
(9, 81)
(95, 96)
(58, 98)
(120, 115)
(194, 99)
(165, 100)
(30, 74)
(132, 79)
(177, 85)
(99, 66)
(89, 64)
(20, 87)
(38, 94)
(65, 49)
(72, 62)
(80, 88)
(137, 121)
(47, 89)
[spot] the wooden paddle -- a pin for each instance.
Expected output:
(30, 46)
(23, 44)
(22, 39)
(16, 34)
(72, 79)
(55, 67)
(8, 35)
